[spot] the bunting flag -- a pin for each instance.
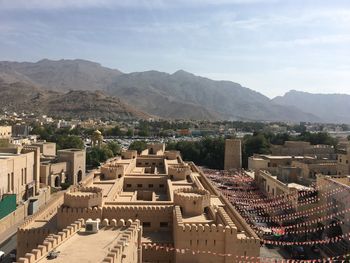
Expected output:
(241, 258)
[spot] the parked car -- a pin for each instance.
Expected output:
(2, 255)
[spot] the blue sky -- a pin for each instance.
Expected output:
(270, 46)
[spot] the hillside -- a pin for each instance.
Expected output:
(333, 108)
(166, 95)
(180, 95)
(24, 97)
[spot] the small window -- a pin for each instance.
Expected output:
(150, 186)
(146, 163)
(119, 175)
(146, 224)
(153, 163)
(139, 185)
(161, 186)
(163, 224)
(128, 185)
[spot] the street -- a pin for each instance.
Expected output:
(7, 247)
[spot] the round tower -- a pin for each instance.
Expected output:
(192, 201)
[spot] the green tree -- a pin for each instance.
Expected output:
(96, 155)
(69, 141)
(254, 144)
(138, 146)
(114, 147)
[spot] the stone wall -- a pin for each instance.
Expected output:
(215, 238)
(51, 242)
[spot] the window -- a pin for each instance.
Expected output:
(88, 227)
(12, 182)
(150, 186)
(146, 224)
(119, 175)
(163, 224)
(128, 185)
(139, 185)
(161, 186)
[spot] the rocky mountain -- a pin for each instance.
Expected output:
(24, 97)
(61, 75)
(169, 95)
(178, 95)
(333, 108)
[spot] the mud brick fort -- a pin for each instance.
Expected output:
(147, 207)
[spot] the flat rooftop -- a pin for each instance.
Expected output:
(83, 247)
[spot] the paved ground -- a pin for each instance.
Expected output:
(7, 246)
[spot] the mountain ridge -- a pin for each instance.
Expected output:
(177, 95)
(332, 107)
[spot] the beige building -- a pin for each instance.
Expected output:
(300, 148)
(5, 132)
(46, 148)
(271, 162)
(283, 184)
(151, 207)
(343, 160)
(309, 168)
(76, 163)
(17, 175)
(233, 154)
(335, 191)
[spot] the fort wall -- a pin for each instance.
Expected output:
(50, 242)
(80, 197)
(151, 216)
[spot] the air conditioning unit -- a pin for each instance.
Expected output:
(92, 226)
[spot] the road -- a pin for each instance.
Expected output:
(7, 247)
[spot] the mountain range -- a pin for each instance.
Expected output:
(80, 88)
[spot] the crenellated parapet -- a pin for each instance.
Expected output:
(172, 155)
(192, 200)
(179, 171)
(128, 243)
(129, 154)
(67, 215)
(50, 243)
(112, 171)
(83, 197)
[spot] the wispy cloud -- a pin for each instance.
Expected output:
(319, 40)
(62, 4)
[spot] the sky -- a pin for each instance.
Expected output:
(271, 46)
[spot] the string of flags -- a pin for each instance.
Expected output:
(169, 248)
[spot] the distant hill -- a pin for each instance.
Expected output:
(181, 95)
(62, 75)
(20, 96)
(333, 108)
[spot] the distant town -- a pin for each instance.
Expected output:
(172, 190)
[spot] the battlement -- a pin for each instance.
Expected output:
(51, 242)
(83, 197)
(67, 215)
(112, 171)
(122, 247)
(172, 155)
(192, 200)
(129, 154)
(137, 208)
(179, 171)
